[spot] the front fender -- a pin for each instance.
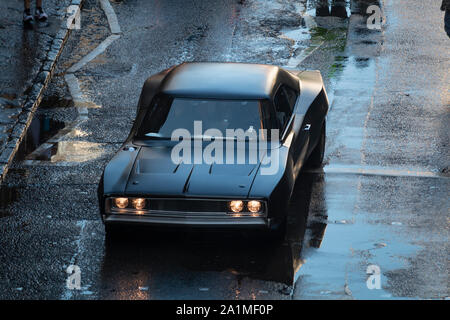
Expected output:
(117, 172)
(278, 187)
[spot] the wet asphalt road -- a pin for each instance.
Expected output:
(381, 198)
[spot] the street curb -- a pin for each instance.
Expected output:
(35, 94)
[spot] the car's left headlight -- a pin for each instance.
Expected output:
(236, 206)
(254, 206)
(121, 203)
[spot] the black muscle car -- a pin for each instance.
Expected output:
(216, 145)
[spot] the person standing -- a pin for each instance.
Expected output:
(446, 7)
(39, 13)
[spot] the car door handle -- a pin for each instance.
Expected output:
(307, 127)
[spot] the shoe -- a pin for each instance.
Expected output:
(27, 17)
(40, 14)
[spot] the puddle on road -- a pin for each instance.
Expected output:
(337, 67)
(40, 130)
(42, 141)
(69, 151)
(36, 145)
(295, 35)
(56, 102)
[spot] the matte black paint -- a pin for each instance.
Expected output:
(147, 169)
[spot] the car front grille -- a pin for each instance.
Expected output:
(183, 205)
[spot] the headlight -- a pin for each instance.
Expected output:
(121, 203)
(254, 206)
(138, 203)
(236, 206)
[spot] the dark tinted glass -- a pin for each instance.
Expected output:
(169, 114)
(282, 107)
(291, 96)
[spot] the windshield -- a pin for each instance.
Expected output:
(168, 114)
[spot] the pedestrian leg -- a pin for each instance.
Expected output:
(27, 17)
(40, 14)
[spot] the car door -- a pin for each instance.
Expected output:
(284, 101)
(301, 138)
(315, 116)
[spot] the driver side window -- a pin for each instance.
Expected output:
(284, 101)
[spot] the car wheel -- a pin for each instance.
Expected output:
(316, 158)
(278, 234)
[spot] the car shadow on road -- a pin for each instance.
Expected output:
(150, 252)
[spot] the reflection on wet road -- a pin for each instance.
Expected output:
(159, 260)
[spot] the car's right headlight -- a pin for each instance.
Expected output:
(138, 203)
(121, 203)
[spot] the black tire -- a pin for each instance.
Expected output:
(278, 234)
(316, 158)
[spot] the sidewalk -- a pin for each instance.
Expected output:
(27, 59)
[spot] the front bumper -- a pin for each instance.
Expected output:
(189, 221)
(201, 213)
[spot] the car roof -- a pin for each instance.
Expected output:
(221, 80)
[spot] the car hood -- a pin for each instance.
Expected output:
(154, 173)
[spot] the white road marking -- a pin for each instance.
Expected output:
(111, 16)
(294, 62)
(75, 92)
(93, 54)
(80, 103)
(46, 163)
(41, 148)
(74, 87)
(378, 171)
(68, 294)
(309, 21)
